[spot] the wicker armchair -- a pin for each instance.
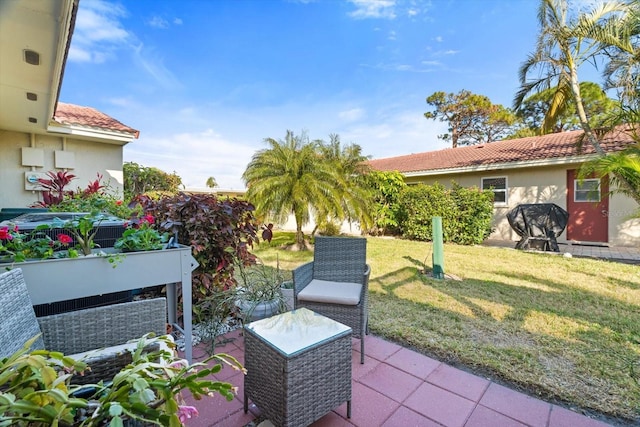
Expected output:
(336, 283)
(97, 335)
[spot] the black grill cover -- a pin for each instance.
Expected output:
(538, 222)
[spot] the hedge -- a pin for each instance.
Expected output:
(466, 213)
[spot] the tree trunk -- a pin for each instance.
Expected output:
(582, 115)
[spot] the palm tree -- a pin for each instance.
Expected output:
(291, 177)
(350, 164)
(564, 44)
(211, 182)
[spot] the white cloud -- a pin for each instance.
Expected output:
(98, 32)
(388, 9)
(154, 66)
(392, 35)
(351, 115)
(194, 157)
(99, 36)
(404, 67)
(439, 39)
(177, 21)
(384, 9)
(400, 133)
(158, 22)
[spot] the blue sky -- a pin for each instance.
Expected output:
(206, 81)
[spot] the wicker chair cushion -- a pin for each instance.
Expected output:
(345, 293)
(18, 322)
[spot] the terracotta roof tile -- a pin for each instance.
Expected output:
(89, 117)
(544, 147)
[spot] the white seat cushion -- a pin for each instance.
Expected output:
(345, 293)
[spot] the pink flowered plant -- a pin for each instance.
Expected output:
(186, 412)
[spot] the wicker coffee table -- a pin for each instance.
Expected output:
(298, 367)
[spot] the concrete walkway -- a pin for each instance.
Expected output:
(624, 254)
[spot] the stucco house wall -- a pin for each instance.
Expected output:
(38, 133)
(88, 157)
(536, 172)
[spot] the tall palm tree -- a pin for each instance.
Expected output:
(291, 177)
(564, 44)
(350, 165)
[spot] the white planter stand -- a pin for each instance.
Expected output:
(64, 279)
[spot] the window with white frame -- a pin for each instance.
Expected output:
(586, 190)
(499, 187)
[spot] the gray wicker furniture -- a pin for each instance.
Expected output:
(298, 367)
(339, 277)
(102, 328)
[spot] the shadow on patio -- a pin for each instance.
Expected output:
(399, 387)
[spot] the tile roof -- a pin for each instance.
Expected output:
(540, 148)
(70, 114)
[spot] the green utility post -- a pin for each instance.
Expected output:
(438, 248)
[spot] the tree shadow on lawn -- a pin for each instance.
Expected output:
(555, 328)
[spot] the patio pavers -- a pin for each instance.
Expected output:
(397, 387)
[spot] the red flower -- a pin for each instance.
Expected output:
(4, 234)
(118, 202)
(64, 239)
(148, 219)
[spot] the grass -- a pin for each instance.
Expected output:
(562, 329)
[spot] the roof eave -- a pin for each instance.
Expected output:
(103, 135)
(68, 18)
(506, 165)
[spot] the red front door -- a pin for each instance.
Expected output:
(588, 206)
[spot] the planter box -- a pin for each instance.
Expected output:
(64, 279)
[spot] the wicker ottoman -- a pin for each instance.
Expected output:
(298, 367)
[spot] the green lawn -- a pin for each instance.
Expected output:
(563, 329)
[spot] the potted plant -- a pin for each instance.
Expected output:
(258, 294)
(141, 236)
(286, 287)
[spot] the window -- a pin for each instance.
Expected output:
(499, 187)
(587, 190)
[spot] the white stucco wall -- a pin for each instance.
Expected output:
(290, 225)
(91, 157)
(544, 185)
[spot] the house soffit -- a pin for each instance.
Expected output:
(29, 91)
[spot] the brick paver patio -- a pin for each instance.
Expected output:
(397, 387)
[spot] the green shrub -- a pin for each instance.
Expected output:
(474, 214)
(220, 233)
(419, 204)
(385, 188)
(466, 213)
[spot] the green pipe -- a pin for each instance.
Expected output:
(438, 247)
